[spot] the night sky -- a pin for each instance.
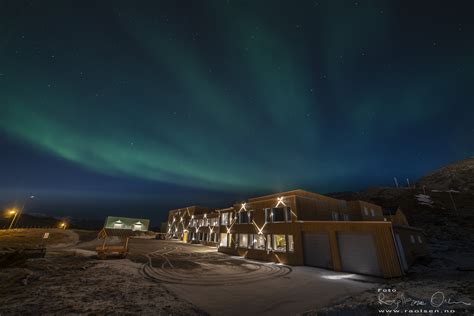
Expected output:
(124, 107)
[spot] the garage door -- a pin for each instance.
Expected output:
(358, 253)
(317, 251)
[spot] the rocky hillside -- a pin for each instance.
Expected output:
(446, 219)
(458, 176)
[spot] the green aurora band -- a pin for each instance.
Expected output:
(242, 104)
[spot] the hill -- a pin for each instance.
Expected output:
(458, 176)
(43, 221)
(447, 219)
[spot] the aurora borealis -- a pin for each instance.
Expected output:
(234, 96)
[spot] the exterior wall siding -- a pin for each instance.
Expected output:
(386, 251)
(413, 248)
(310, 213)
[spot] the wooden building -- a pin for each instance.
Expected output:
(304, 228)
(195, 224)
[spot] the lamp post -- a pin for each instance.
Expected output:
(21, 210)
(13, 212)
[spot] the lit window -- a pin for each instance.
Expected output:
(243, 240)
(223, 240)
(372, 212)
(268, 215)
(225, 219)
(230, 239)
(412, 239)
(291, 245)
(279, 243)
(420, 240)
(252, 241)
(259, 242)
(269, 242)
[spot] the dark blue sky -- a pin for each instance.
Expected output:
(124, 108)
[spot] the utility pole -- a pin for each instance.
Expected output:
(450, 192)
(452, 199)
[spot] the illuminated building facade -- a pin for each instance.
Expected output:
(303, 228)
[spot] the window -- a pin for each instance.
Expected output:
(268, 215)
(278, 214)
(279, 243)
(343, 205)
(269, 242)
(243, 240)
(366, 211)
(291, 245)
(233, 239)
(412, 239)
(419, 239)
(223, 240)
(335, 216)
(225, 219)
(243, 218)
(259, 242)
(346, 217)
(252, 241)
(372, 212)
(250, 214)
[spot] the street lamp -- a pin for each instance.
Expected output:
(13, 212)
(31, 197)
(63, 225)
